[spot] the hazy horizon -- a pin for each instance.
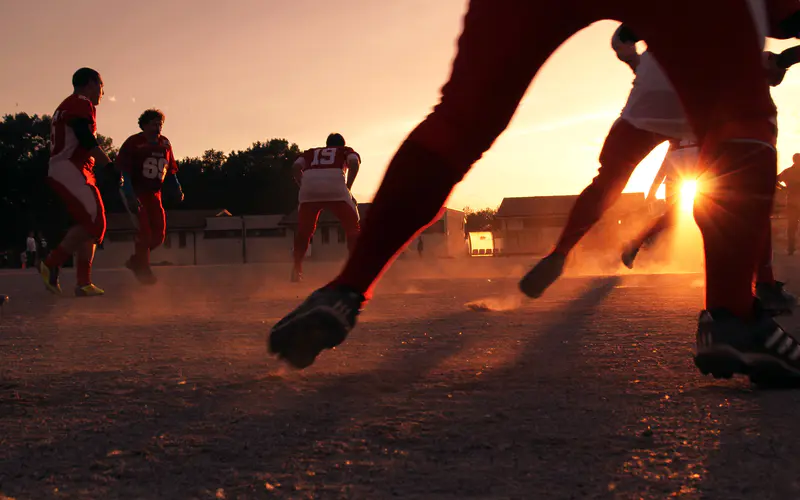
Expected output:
(231, 74)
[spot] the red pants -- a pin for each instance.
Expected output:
(152, 226)
(504, 43)
(624, 148)
(307, 215)
(78, 191)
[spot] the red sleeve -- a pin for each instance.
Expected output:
(125, 158)
(173, 164)
(80, 107)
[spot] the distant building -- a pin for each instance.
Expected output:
(532, 225)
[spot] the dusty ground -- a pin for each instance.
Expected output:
(590, 392)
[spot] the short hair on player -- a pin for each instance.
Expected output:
(84, 77)
(150, 115)
(335, 140)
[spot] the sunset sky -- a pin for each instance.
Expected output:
(230, 73)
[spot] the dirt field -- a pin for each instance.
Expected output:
(590, 392)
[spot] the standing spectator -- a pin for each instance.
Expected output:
(30, 251)
(420, 246)
(42, 250)
(790, 178)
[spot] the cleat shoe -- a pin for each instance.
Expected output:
(142, 273)
(321, 322)
(90, 290)
(760, 348)
(629, 254)
(775, 299)
(543, 274)
(297, 276)
(50, 278)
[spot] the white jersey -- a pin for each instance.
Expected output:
(325, 174)
(323, 185)
(653, 105)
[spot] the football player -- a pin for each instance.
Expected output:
(325, 176)
(148, 164)
(75, 155)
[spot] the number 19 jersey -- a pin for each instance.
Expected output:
(147, 162)
(324, 174)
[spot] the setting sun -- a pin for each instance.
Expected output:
(688, 192)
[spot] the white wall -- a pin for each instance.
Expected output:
(117, 248)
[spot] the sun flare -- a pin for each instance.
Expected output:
(688, 192)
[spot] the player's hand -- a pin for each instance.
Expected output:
(775, 74)
(175, 193)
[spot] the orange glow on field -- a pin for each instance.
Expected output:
(688, 192)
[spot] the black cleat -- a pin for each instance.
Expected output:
(543, 274)
(775, 299)
(142, 273)
(297, 276)
(321, 322)
(50, 278)
(629, 254)
(760, 348)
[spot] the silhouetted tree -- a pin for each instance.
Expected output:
(479, 220)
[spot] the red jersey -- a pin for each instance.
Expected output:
(147, 162)
(327, 157)
(64, 144)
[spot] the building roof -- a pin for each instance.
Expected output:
(545, 206)
(176, 219)
(262, 221)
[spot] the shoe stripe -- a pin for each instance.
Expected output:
(795, 354)
(774, 338)
(787, 344)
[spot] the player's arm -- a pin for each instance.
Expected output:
(624, 44)
(661, 176)
(297, 169)
(124, 165)
(788, 57)
(82, 127)
(353, 164)
(171, 180)
(174, 185)
(783, 175)
(125, 159)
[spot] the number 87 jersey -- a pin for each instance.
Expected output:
(147, 162)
